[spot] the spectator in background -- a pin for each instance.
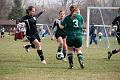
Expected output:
(100, 36)
(93, 34)
(2, 32)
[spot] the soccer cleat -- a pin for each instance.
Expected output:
(27, 50)
(71, 66)
(109, 55)
(43, 62)
(82, 65)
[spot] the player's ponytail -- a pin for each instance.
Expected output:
(29, 9)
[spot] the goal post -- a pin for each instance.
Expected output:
(88, 20)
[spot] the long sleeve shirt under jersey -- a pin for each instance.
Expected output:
(30, 21)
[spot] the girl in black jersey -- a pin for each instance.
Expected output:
(116, 22)
(60, 34)
(31, 31)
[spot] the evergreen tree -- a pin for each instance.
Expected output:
(17, 10)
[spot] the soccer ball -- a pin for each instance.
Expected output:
(59, 56)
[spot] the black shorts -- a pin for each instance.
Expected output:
(31, 38)
(58, 35)
(2, 33)
(100, 37)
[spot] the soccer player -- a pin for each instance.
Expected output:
(60, 34)
(43, 33)
(113, 52)
(93, 34)
(2, 32)
(31, 31)
(100, 36)
(73, 27)
(116, 21)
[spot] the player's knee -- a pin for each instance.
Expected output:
(78, 50)
(70, 50)
(37, 45)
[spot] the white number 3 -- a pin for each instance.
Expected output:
(75, 21)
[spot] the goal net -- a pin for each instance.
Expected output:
(101, 18)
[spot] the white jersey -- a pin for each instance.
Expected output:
(43, 31)
(100, 34)
(21, 27)
(3, 29)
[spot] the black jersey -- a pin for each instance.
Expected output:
(30, 21)
(117, 22)
(58, 31)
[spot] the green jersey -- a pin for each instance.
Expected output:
(73, 26)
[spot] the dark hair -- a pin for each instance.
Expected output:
(29, 9)
(61, 11)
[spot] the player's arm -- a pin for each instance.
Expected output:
(37, 15)
(63, 24)
(113, 23)
(52, 30)
(110, 29)
(59, 24)
(49, 30)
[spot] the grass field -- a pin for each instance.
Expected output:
(17, 64)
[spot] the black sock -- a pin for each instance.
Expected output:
(64, 52)
(80, 57)
(40, 53)
(27, 46)
(70, 58)
(59, 49)
(114, 51)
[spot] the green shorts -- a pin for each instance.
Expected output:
(75, 41)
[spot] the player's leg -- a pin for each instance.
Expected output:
(80, 57)
(39, 50)
(100, 38)
(78, 45)
(60, 41)
(113, 52)
(64, 48)
(91, 37)
(70, 44)
(3, 34)
(94, 39)
(70, 57)
(27, 47)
